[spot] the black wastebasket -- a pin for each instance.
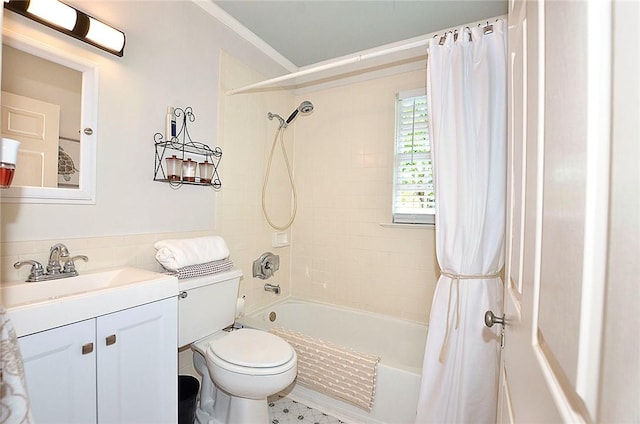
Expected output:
(188, 387)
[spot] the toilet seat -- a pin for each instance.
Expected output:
(249, 351)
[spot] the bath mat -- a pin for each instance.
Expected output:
(334, 370)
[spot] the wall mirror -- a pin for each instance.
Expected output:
(49, 104)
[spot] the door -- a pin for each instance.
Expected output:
(60, 370)
(36, 124)
(138, 364)
(559, 184)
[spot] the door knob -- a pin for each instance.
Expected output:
(490, 319)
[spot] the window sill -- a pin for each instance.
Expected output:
(411, 226)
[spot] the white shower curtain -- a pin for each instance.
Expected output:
(466, 88)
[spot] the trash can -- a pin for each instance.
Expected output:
(188, 387)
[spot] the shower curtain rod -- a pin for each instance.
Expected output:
(423, 41)
(331, 65)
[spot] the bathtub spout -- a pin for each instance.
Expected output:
(272, 288)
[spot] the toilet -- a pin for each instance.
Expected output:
(239, 368)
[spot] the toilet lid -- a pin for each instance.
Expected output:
(252, 348)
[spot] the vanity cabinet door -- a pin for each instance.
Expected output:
(138, 364)
(60, 368)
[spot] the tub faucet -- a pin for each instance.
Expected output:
(272, 288)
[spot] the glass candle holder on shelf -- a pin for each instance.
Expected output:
(174, 167)
(189, 170)
(8, 159)
(206, 170)
(6, 174)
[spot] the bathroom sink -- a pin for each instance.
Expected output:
(39, 306)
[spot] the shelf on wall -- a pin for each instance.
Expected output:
(183, 144)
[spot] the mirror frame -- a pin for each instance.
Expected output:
(85, 194)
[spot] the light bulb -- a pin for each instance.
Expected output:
(54, 12)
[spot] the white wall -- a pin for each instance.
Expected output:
(621, 347)
(171, 58)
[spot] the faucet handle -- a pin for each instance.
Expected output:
(70, 264)
(36, 269)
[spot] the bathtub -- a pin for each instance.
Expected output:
(400, 345)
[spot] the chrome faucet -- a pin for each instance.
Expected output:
(55, 269)
(58, 251)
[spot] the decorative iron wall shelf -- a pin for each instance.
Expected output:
(181, 145)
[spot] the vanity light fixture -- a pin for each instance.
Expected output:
(71, 21)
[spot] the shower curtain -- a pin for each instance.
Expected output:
(466, 89)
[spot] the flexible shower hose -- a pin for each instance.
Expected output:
(280, 135)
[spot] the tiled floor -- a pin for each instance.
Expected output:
(283, 410)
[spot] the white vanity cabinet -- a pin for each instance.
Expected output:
(138, 364)
(61, 380)
(115, 368)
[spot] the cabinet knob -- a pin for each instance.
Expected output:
(87, 348)
(111, 339)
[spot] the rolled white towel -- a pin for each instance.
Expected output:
(174, 254)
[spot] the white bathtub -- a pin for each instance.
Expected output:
(400, 345)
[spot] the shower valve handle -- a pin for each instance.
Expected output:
(266, 265)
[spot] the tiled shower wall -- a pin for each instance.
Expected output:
(247, 136)
(344, 170)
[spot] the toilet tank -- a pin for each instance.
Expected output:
(206, 304)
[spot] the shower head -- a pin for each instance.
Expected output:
(305, 108)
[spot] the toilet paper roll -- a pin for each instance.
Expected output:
(240, 307)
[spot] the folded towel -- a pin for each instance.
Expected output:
(175, 254)
(199, 270)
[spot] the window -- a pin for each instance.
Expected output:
(413, 191)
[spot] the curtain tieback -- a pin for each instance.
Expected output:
(455, 280)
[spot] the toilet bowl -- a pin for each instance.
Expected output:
(239, 368)
(245, 367)
(251, 363)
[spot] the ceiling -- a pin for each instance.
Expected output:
(306, 32)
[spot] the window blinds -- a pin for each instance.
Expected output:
(413, 196)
